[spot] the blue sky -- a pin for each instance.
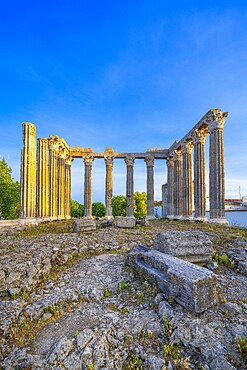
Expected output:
(126, 74)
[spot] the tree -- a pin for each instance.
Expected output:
(9, 193)
(76, 209)
(119, 205)
(140, 204)
(98, 209)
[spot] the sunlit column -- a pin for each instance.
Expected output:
(43, 179)
(88, 186)
(108, 186)
(150, 186)
(129, 160)
(177, 195)
(187, 180)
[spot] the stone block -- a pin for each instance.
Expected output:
(126, 222)
(143, 222)
(83, 225)
(191, 286)
(192, 246)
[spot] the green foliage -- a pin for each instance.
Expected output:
(107, 293)
(242, 346)
(140, 204)
(133, 362)
(9, 193)
(76, 209)
(122, 285)
(119, 205)
(223, 259)
(98, 209)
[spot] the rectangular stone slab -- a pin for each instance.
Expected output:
(191, 286)
(193, 246)
(125, 222)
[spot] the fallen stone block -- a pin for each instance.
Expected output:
(83, 225)
(126, 222)
(192, 246)
(191, 286)
(142, 222)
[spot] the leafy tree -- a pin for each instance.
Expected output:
(76, 209)
(9, 193)
(98, 209)
(140, 204)
(119, 205)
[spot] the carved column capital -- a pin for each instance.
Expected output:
(108, 160)
(187, 147)
(216, 120)
(199, 135)
(129, 160)
(69, 160)
(149, 161)
(88, 160)
(170, 162)
(177, 155)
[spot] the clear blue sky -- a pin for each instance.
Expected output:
(126, 74)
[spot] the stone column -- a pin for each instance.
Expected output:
(187, 180)
(129, 160)
(61, 185)
(177, 195)
(199, 139)
(43, 179)
(150, 187)
(170, 189)
(216, 168)
(108, 187)
(68, 162)
(88, 186)
(28, 174)
(53, 174)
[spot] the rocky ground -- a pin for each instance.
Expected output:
(68, 301)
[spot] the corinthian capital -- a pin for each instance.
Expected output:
(149, 161)
(187, 147)
(108, 160)
(200, 135)
(177, 155)
(170, 162)
(129, 160)
(88, 160)
(216, 120)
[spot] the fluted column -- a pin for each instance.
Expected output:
(68, 162)
(61, 185)
(199, 139)
(53, 174)
(129, 160)
(28, 173)
(170, 189)
(187, 180)
(108, 186)
(88, 186)
(43, 179)
(216, 168)
(177, 195)
(150, 187)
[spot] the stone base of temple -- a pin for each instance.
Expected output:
(43, 219)
(150, 218)
(29, 221)
(186, 218)
(125, 222)
(200, 219)
(109, 218)
(222, 221)
(169, 217)
(67, 217)
(177, 217)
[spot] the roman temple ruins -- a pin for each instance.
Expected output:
(46, 175)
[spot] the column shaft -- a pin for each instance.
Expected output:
(150, 187)
(199, 139)
(187, 180)
(216, 171)
(130, 185)
(88, 187)
(108, 187)
(28, 171)
(177, 195)
(43, 179)
(170, 189)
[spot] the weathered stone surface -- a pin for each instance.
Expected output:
(192, 246)
(125, 222)
(143, 222)
(60, 351)
(83, 225)
(191, 286)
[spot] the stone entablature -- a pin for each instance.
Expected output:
(46, 174)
